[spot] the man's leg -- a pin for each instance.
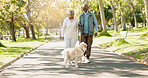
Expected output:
(89, 43)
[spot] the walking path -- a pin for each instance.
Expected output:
(47, 62)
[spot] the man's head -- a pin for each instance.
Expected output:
(85, 8)
(71, 13)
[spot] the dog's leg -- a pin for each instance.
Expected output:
(65, 61)
(69, 61)
(80, 61)
(76, 63)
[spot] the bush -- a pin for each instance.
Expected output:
(138, 29)
(144, 35)
(104, 34)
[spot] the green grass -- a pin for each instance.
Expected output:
(1, 45)
(104, 34)
(133, 45)
(140, 54)
(14, 49)
(138, 29)
(116, 42)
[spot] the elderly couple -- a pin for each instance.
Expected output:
(87, 23)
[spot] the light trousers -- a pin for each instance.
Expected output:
(70, 42)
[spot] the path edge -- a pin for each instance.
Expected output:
(17, 58)
(126, 56)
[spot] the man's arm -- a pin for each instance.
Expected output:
(79, 24)
(96, 24)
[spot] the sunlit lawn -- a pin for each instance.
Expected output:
(14, 49)
(135, 46)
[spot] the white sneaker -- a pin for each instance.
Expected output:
(87, 61)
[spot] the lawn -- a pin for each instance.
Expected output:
(135, 45)
(14, 49)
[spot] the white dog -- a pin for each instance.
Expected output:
(75, 53)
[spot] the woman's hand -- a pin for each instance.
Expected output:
(62, 38)
(79, 26)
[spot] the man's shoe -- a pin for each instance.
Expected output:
(87, 61)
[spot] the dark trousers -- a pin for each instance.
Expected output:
(88, 39)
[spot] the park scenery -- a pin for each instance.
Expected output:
(31, 44)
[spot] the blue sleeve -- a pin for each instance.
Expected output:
(95, 23)
(79, 19)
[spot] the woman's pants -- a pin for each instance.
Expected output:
(70, 42)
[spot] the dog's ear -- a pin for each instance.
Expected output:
(85, 45)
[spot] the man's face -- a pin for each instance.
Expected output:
(85, 8)
(72, 15)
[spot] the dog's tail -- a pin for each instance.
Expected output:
(64, 52)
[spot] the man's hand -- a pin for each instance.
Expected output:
(62, 38)
(79, 25)
(96, 34)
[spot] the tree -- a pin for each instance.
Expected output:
(134, 14)
(114, 15)
(146, 11)
(102, 16)
(11, 13)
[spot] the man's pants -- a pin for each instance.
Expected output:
(70, 42)
(88, 39)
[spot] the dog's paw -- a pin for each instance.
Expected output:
(76, 66)
(67, 66)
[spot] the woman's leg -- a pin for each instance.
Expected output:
(73, 42)
(67, 42)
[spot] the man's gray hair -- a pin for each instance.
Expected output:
(71, 11)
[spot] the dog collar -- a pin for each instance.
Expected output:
(82, 50)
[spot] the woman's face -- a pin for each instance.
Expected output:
(71, 15)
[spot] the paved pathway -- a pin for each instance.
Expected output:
(47, 62)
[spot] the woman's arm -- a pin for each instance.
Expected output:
(63, 28)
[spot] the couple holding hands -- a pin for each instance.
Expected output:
(87, 23)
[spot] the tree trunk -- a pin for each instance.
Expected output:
(12, 29)
(114, 16)
(47, 24)
(134, 14)
(103, 22)
(1, 36)
(146, 12)
(143, 18)
(30, 19)
(32, 31)
(123, 22)
(26, 30)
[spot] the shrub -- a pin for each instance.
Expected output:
(104, 34)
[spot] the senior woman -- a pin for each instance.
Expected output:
(69, 31)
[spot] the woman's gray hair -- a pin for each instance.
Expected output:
(71, 11)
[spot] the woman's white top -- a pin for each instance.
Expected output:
(70, 28)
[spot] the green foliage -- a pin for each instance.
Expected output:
(138, 29)
(1, 45)
(103, 34)
(144, 35)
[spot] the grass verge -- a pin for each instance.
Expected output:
(133, 45)
(14, 49)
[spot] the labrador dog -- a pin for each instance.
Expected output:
(77, 53)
